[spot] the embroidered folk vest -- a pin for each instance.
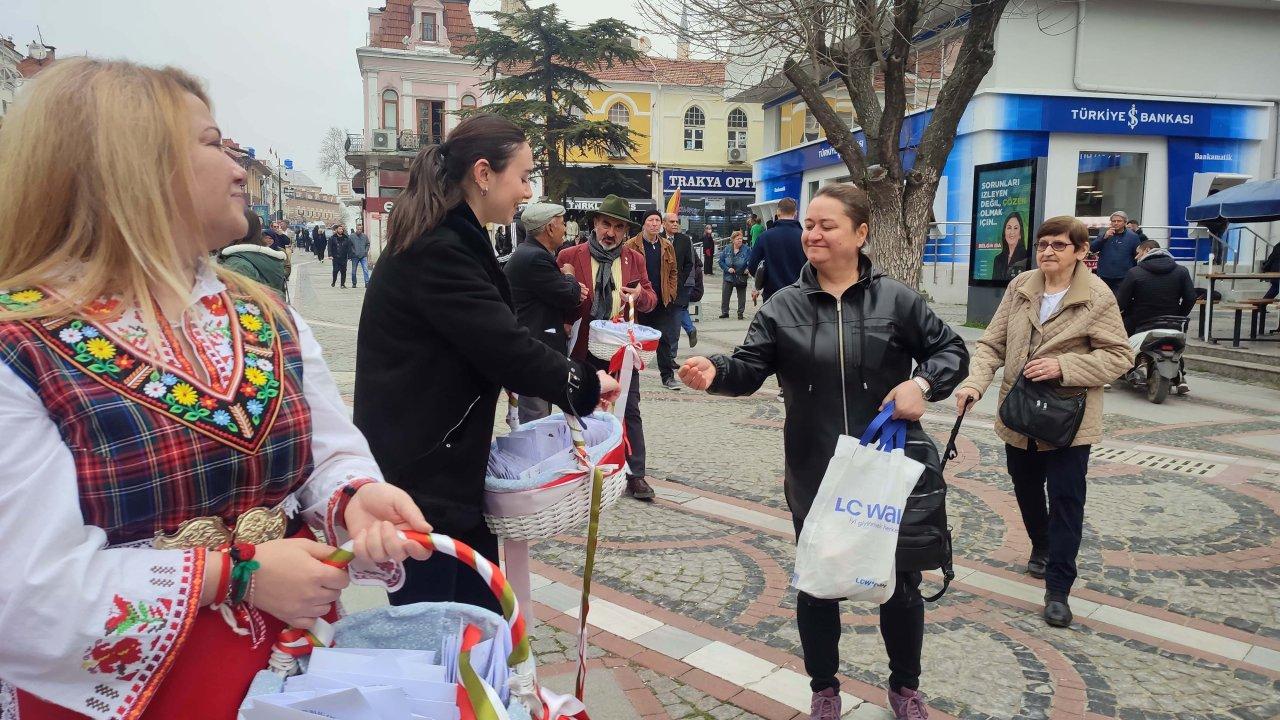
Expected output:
(153, 445)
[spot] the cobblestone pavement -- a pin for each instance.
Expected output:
(1177, 606)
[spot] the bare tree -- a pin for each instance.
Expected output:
(333, 155)
(873, 51)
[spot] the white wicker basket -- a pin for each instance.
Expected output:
(605, 337)
(540, 506)
(569, 514)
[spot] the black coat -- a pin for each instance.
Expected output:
(541, 294)
(1154, 287)
(685, 258)
(339, 246)
(438, 341)
(886, 327)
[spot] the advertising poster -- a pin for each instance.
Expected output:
(1003, 216)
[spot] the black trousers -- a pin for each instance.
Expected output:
(664, 319)
(1055, 530)
(1113, 283)
(726, 291)
(441, 578)
(631, 419)
(901, 628)
(339, 268)
(708, 266)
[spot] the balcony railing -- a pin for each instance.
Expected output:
(405, 141)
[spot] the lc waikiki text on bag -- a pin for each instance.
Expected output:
(848, 544)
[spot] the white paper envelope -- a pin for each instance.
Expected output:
(368, 661)
(267, 711)
(391, 703)
(421, 689)
(343, 705)
(432, 710)
(317, 683)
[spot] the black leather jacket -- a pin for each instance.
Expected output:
(884, 326)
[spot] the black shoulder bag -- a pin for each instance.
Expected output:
(1042, 412)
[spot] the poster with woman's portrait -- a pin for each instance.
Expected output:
(1003, 211)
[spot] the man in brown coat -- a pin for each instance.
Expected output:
(614, 275)
(660, 264)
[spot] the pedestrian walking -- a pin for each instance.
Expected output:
(571, 231)
(735, 259)
(253, 257)
(755, 229)
(833, 387)
(778, 251)
(502, 242)
(686, 261)
(541, 294)
(616, 276)
(1057, 324)
(319, 241)
(439, 339)
(121, 596)
(663, 269)
(339, 252)
(1117, 248)
(359, 255)
(708, 250)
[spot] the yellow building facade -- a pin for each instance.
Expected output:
(688, 136)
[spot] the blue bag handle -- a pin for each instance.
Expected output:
(891, 433)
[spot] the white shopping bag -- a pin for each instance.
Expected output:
(850, 536)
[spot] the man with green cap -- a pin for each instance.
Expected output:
(615, 278)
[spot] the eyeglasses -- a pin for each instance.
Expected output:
(1058, 246)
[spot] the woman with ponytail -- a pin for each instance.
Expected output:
(439, 340)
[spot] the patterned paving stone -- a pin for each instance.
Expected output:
(1129, 678)
(685, 702)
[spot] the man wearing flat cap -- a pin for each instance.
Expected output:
(540, 292)
(615, 276)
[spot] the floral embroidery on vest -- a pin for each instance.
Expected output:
(240, 417)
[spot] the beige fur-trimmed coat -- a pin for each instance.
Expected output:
(1085, 334)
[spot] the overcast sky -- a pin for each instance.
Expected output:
(280, 72)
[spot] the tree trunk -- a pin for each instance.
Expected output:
(899, 226)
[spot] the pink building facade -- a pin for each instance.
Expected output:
(415, 81)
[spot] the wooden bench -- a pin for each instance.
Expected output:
(1258, 323)
(1239, 308)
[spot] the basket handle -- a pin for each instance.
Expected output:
(294, 643)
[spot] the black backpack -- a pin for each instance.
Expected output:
(924, 538)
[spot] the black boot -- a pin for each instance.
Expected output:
(1056, 611)
(1037, 564)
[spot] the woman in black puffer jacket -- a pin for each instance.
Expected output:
(842, 341)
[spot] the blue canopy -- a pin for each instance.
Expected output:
(1256, 201)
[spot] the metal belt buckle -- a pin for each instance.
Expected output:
(256, 526)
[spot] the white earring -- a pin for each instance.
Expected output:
(484, 191)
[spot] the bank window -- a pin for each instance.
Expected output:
(619, 114)
(1110, 181)
(429, 27)
(695, 122)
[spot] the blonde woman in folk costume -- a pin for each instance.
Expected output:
(170, 428)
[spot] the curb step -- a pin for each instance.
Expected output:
(1265, 374)
(1226, 352)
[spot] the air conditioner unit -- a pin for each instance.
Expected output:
(384, 140)
(737, 155)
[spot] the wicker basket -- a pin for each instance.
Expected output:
(606, 336)
(563, 497)
(567, 515)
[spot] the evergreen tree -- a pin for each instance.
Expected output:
(540, 69)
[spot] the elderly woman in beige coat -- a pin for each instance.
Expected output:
(1056, 323)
